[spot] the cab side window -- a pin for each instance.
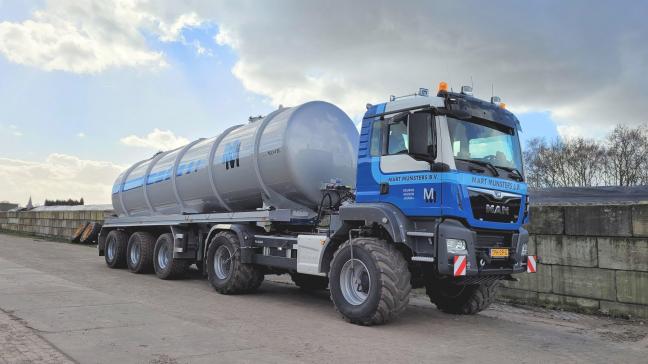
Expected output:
(376, 132)
(397, 138)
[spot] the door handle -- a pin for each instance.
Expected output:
(384, 188)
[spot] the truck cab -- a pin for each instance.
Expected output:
(444, 176)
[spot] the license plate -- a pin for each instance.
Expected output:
(499, 253)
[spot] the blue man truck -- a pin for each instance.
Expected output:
(430, 194)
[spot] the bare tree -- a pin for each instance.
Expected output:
(562, 163)
(627, 156)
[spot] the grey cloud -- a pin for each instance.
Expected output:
(583, 61)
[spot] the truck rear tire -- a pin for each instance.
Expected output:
(139, 252)
(225, 271)
(309, 282)
(374, 286)
(115, 255)
(462, 300)
(165, 266)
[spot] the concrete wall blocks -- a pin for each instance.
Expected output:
(600, 220)
(584, 282)
(547, 220)
(631, 287)
(567, 250)
(623, 253)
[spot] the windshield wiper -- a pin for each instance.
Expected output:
(513, 170)
(489, 165)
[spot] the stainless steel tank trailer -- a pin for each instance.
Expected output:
(431, 194)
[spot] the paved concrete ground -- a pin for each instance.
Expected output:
(66, 304)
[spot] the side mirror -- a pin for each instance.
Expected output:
(422, 136)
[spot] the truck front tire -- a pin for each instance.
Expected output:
(225, 271)
(115, 254)
(374, 286)
(139, 252)
(165, 266)
(462, 299)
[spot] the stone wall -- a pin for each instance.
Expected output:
(56, 224)
(593, 259)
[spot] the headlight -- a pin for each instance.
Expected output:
(525, 249)
(456, 246)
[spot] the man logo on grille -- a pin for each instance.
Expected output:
(497, 209)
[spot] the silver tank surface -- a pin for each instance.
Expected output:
(282, 159)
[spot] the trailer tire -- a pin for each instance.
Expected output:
(378, 291)
(115, 255)
(165, 266)
(139, 252)
(225, 271)
(309, 282)
(462, 300)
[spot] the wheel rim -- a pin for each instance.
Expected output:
(163, 256)
(110, 251)
(355, 282)
(135, 253)
(222, 262)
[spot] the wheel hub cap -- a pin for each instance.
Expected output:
(163, 256)
(355, 282)
(222, 262)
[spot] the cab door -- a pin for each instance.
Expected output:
(406, 182)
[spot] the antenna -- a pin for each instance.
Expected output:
(492, 90)
(471, 83)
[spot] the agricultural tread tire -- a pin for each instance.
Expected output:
(394, 276)
(469, 301)
(244, 278)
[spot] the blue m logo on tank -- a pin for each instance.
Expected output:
(231, 154)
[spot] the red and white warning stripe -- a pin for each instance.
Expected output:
(531, 264)
(459, 265)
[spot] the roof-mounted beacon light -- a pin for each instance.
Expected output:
(498, 101)
(467, 90)
(443, 87)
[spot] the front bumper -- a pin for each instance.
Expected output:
(478, 245)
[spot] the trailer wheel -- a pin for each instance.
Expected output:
(462, 299)
(115, 255)
(309, 282)
(165, 266)
(374, 286)
(139, 252)
(225, 271)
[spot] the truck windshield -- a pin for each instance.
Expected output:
(485, 146)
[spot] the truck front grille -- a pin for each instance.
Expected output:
(496, 206)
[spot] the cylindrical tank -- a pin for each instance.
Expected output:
(281, 160)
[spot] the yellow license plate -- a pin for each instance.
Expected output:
(499, 253)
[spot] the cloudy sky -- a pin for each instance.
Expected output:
(88, 87)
